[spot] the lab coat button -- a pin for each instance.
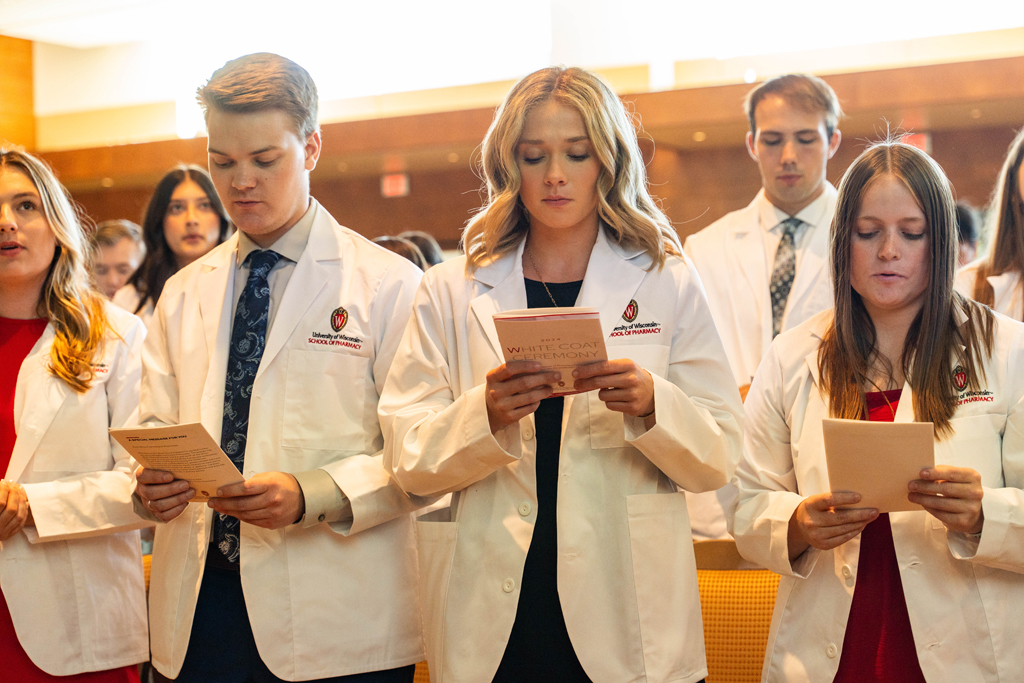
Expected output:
(525, 509)
(508, 586)
(322, 517)
(831, 651)
(527, 434)
(847, 572)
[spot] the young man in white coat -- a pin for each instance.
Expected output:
(764, 267)
(278, 341)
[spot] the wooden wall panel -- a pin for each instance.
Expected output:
(17, 117)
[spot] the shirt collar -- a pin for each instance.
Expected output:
(771, 216)
(289, 245)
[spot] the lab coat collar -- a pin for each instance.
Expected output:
(812, 214)
(44, 393)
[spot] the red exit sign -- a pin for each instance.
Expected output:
(394, 185)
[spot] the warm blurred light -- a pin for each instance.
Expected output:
(394, 185)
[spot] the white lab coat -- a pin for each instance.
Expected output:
(626, 576)
(74, 582)
(128, 298)
(1009, 297)
(323, 600)
(732, 259)
(965, 598)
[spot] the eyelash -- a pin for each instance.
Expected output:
(575, 157)
(773, 143)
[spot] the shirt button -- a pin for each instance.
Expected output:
(831, 651)
(527, 433)
(847, 572)
(525, 509)
(322, 517)
(508, 586)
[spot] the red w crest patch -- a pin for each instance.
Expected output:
(338, 319)
(631, 312)
(959, 378)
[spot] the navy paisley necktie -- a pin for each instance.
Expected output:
(783, 272)
(248, 339)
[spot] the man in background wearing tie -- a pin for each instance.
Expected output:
(765, 267)
(278, 341)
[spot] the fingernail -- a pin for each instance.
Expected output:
(220, 492)
(575, 373)
(191, 493)
(558, 376)
(925, 473)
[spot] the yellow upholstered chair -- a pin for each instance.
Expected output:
(736, 606)
(147, 564)
(422, 675)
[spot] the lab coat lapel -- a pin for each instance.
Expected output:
(745, 243)
(38, 397)
(507, 293)
(304, 287)
(216, 292)
(614, 273)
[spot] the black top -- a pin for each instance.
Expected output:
(539, 648)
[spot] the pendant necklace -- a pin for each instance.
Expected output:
(533, 263)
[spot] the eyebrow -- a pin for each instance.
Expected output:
(578, 138)
(34, 195)
(271, 148)
(805, 131)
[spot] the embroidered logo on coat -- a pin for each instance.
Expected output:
(338, 319)
(631, 312)
(959, 377)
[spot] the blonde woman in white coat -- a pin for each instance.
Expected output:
(996, 279)
(566, 554)
(73, 600)
(935, 594)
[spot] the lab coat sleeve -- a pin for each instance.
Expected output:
(434, 441)
(97, 503)
(766, 478)
(1001, 545)
(696, 439)
(374, 495)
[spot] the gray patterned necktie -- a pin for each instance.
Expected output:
(248, 339)
(783, 272)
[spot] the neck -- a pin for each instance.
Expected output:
(559, 255)
(891, 329)
(793, 208)
(20, 301)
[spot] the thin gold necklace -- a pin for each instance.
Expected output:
(537, 270)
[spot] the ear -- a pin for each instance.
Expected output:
(313, 147)
(833, 143)
(751, 149)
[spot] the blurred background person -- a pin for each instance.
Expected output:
(967, 222)
(118, 250)
(995, 280)
(72, 595)
(432, 252)
(404, 248)
(185, 219)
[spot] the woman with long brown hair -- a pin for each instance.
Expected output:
(72, 598)
(933, 594)
(184, 220)
(566, 553)
(997, 280)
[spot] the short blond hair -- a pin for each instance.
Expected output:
(803, 91)
(262, 81)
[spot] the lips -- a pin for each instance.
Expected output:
(556, 200)
(789, 178)
(10, 248)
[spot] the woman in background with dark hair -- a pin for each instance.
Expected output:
(428, 246)
(405, 248)
(996, 279)
(184, 221)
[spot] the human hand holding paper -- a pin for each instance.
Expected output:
(952, 495)
(514, 390)
(162, 494)
(270, 500)
(822, 521)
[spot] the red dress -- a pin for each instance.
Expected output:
(17, 337)
(879, 644)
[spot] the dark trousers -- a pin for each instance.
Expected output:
(222, 648)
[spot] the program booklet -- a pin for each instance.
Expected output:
(559, 338)
(187, 451)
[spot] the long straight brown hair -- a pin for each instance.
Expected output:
(1005, 223)
(949, 329)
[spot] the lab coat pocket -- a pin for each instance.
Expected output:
(607, 427)
(324, 398)
(665, 581)
(435, 542)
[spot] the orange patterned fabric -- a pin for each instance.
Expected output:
(736, 607)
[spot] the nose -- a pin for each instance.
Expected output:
(789, 152)
(243, 179)
(6, 217)
(190, 214)
(889, 250)
(555, 173)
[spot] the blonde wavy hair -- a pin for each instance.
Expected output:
(629, 214)
(67, 299)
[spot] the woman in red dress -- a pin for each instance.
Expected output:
(72, 596)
